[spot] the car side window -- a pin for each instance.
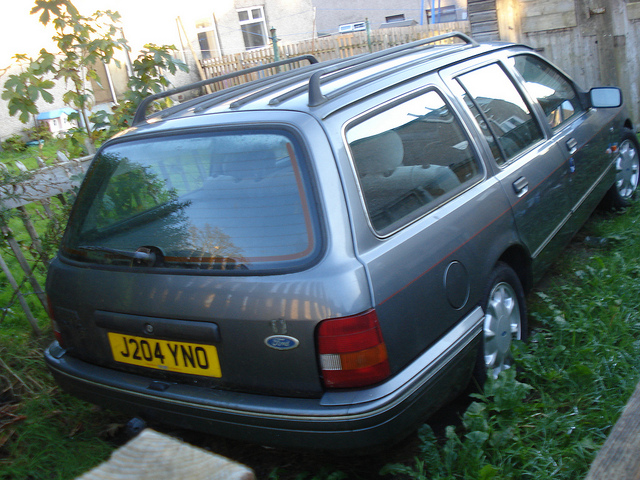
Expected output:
(553, 91)
(482, 123)
(409, 158)
(503, 108)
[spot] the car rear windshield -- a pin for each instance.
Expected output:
(216, 201)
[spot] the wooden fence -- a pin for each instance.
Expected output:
(44, 184)
(323, 48)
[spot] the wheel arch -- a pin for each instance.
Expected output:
(519, 260)
(628, 124)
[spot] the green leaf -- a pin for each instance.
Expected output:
(33, 92)
(46, 96)
(477, 438)
(24, 116)
(44, 18)
(488, 472)
(12, 82)
(475, 418)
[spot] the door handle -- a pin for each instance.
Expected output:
(521, 186)
(572, 146)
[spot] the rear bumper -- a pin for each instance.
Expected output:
(340, 420)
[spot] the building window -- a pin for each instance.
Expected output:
(253, 26)
(395, 18)
(442, 15)
(354, 27)
(207, 38)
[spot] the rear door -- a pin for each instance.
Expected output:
(430, 215)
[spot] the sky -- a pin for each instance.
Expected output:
(21, 32)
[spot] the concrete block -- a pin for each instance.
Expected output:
(155, 456)
(633, 10)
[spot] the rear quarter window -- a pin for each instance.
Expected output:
(214, 201)
(409, 159)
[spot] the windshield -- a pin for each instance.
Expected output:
(223, 201)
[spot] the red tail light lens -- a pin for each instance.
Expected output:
(352, 351)
(54, 324)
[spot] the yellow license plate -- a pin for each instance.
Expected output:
(181, 357)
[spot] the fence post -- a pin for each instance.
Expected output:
(37, 244)
(46, 205)
(274, 39)
(23, 303)
(8, 234)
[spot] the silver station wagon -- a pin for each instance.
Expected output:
(322, 257)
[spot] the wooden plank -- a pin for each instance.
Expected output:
(46, 205)
(481, 7)
(548, 15)
(487, 27)
(35, 239)
(152, 455)
(483, 17)
(23, 303)
(553, 21)
(540, 8)
(45, 183)
(24, 264)
(619, 457)
(633, 10)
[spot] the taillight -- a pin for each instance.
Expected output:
(54, 324)
(352, 351)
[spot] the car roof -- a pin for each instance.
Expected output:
(322, 88)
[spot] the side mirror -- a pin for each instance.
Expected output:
(605, 97)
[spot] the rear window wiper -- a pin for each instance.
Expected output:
(142, 256)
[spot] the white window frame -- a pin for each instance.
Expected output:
(210, 32)
(252, 21)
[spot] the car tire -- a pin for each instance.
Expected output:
(505, 320)
(627, 165)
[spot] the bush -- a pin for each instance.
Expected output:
(15, 143)
(39, 132)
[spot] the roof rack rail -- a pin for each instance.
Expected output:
(284, 80)
(200, 104)
(316, 96)
(254, 89)
(141, 112)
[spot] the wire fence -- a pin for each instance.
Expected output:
(31, 200)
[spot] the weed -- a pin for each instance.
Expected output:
(14, 143)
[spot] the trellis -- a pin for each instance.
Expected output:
(44, 184)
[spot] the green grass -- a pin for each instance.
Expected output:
(44, 433)
(47, 153)
(28, 157)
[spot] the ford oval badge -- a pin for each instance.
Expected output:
(281, 342)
